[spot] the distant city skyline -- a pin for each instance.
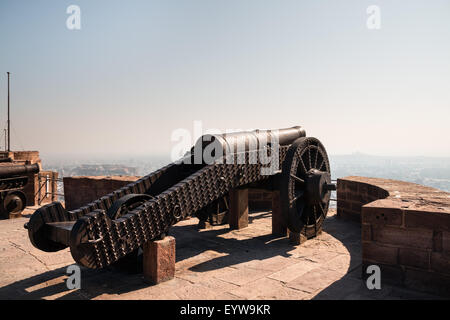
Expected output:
(139, 70)
(434, 172)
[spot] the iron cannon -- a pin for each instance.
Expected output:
(117, 225)
(13, 179)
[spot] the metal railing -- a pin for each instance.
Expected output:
(333, 192)
(52, 186)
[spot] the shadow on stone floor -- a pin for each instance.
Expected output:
(52, 284)
(232, 251)
(229, 249)
(190, 243)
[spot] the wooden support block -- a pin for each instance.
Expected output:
(279, 227)
(296, 238)
(202, 225)
(159, 260)
(238, 215)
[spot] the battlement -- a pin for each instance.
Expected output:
(81, 190)
(405, 229)
(21, 157)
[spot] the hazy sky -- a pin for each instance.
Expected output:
(137, 70)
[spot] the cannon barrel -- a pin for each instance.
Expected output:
(283, 136)
(244, 141)
(10, 171)
(6, 160)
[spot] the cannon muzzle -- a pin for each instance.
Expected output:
(11, 171)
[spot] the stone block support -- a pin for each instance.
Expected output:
(296, 238)
(159, 260)
(238, 215)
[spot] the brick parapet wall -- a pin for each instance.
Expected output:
(21, 157)
(79, 191)
(259, 199)
(351, 196)
(405, 229)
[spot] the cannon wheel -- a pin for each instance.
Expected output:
(15, 202)
(305, 186)
(216, 213)
(12, 202)
(119, 208)
(126, 204)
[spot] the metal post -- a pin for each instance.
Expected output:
(47, 183)
(9, 138)
(40, 187)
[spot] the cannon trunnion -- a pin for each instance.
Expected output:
(115, 226)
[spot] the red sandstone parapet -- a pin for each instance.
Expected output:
(21, 157)
(405, 229)
(79, 191)
(259, 199)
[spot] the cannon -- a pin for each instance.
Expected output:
(13, 179)
(117, 225)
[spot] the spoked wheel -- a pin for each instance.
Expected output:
(216, 213)
(219, 211)
(133, 261)
(306, 186)
(126, 204)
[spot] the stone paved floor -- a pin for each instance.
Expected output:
(211, 264)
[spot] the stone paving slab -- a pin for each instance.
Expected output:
(215, 263)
